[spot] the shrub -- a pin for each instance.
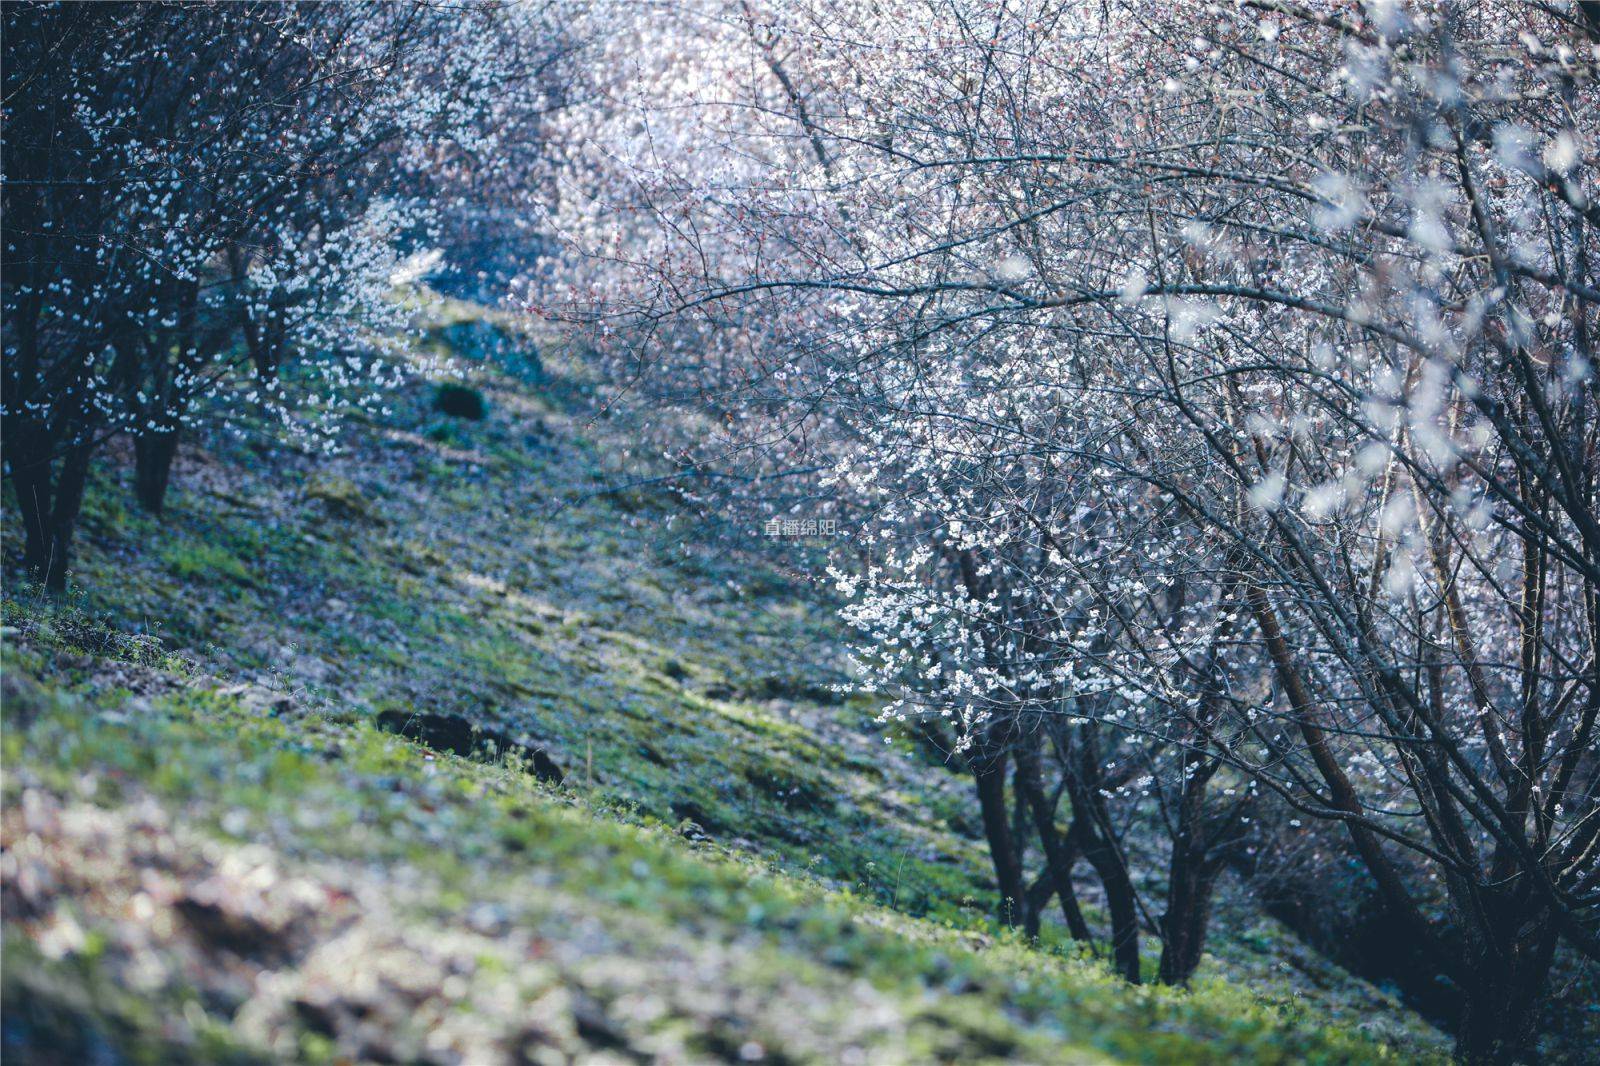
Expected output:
(460, 401)
(342, 499)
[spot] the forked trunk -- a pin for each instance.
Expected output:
(1106, 858)
(1188, 914)
(1058, 852)
(49, 514)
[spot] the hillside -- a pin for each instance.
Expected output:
(443, 750)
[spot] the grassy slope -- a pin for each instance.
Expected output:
(734, 867)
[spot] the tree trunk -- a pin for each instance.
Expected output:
(1034, 901)
(49, 513)
(1509, 968)
(990, 774)
(1188, 914)
(1092, 833)
(1106, 858)
(1058, 853)
(264, 340)
(48, 500)
(153, 453)
(32, 484)
(1498, 1017)
(1197, 848)
(70, 487)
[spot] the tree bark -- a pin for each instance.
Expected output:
(50, 512)
(1059, 855)
(1509, 968)
(70, 487)
(1093, 834)
(1191, 875)
(990, 775)
(49, 489)
(1106, 858)
(1034, 901)
(153, 453)
(1499, 1016)
(1188, 915)
(31, 480)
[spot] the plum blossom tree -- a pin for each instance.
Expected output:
(209, 202)
(1217, 377)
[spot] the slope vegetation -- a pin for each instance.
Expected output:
(448, 749)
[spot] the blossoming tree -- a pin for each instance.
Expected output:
(1218, 382)
(192, 191)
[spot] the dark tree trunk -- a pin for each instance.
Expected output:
(167, 361)
(70, 487)
(1034, 901)
(990, 774)
(1188, 914)
(1505, 984)
(153, 453)
(33, 500)
(264, 339)
(1106, 858)
(1017, 903)
(1492, 1032)
(1197, 858)
(1498, 1019)
(1059, 855)
(47, 497)
(1092, 832)
(49, 513)
(1038, 893)
(27, 440)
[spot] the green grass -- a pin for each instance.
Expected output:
(205, 562)
(464, 834)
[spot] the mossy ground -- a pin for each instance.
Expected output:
(736, 865)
